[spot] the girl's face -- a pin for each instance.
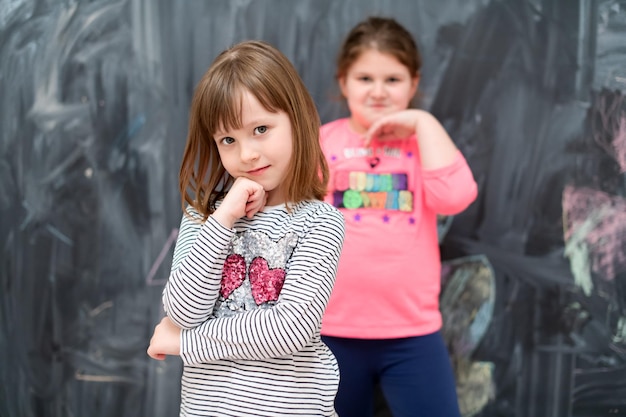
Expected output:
(260, 150)
(375, 85)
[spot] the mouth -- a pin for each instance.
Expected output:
(258, 171)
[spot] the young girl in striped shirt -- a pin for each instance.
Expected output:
(258, 249)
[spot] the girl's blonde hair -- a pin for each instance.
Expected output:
(262, 70)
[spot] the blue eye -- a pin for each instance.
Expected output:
(227, 140)
(260, 130)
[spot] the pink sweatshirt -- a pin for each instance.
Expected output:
(388, 280)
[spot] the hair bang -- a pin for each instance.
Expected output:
(223, 104)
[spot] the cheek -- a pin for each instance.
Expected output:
(353, 91)
(403, 95)
(404, 101)
(357, 102)
(227, 161)
(354, 98)
(287, 152)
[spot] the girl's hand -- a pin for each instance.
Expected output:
(394, 126)
(436, 147)
(165, 340)
(245, 198)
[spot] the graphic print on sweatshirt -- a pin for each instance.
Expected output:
(379, 191)
(373, 188)
(254, 272)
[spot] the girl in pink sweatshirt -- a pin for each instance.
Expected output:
(393, 169)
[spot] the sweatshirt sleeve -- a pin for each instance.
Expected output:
(451, 189)
(194, 283)
(296, 318)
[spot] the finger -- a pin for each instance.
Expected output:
(376, 131)
(258, 192)
(369, 137)
(254, 207)
(256, 196)
(250, 213)
(259, 201)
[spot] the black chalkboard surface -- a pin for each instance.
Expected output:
(94, 99)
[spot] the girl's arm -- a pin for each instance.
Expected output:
(449, 190)
(296, 318)
(449, 186)
(436, 148)
(194, 283)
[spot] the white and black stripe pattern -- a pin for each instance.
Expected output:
(263, 362)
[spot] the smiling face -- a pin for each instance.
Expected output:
(374, 85)
(260, 149)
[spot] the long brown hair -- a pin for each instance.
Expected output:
(262, 70)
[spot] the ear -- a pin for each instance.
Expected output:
(342, 85)
(415, 81)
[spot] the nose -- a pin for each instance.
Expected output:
(249, 152)
(378, 89)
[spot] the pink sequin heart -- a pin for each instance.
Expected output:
(233, 274)
(266, 283)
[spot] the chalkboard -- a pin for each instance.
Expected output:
(94, 100)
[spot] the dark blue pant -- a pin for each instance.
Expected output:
(414, 373)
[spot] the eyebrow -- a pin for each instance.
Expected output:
(369, 73)
(256, 122)
(251, 123)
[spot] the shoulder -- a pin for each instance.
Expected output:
(333, 128)
(190, 226)
(319, 212)
(314, 208)
(192, 216)
(191, 221)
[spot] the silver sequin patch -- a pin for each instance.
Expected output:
(254, 272)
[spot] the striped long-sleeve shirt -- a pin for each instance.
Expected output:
(250, 302)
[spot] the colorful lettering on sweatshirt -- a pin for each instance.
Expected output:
(384, 191)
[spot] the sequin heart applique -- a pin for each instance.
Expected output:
(266, 283)
(233, 274)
